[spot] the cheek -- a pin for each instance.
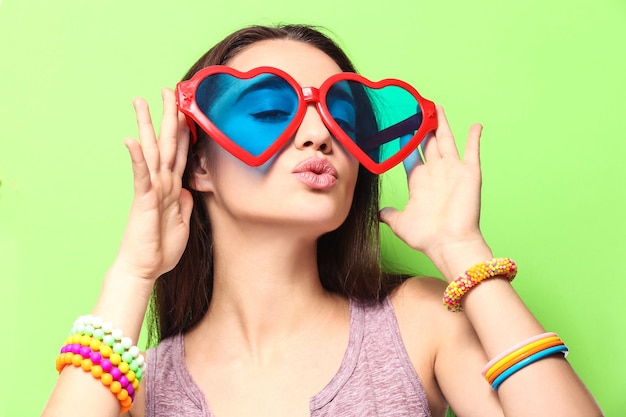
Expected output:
(234, 179)
(225, 164)
(350, 176)
(353, 169)
(227, 161)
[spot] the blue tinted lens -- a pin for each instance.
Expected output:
(342, 107)
(252, 113)
(383, 119)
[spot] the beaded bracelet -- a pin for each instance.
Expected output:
(127, 380)
(531, 359)
(110, 364)
(97, 328)
(496, 267)
(96, 347)
(130, 359)
(125, 395)
(518, 356)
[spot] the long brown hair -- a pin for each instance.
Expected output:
(348, 257)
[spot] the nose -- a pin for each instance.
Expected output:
(313, 133)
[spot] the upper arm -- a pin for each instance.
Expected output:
(444, 350)
(460, 359)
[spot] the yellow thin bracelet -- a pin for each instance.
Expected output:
(516, 356)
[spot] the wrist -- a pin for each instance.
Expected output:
(128, 271)
(452, 259)
(123, 300)
(125, 287)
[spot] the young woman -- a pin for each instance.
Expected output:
(263, 264)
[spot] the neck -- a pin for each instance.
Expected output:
(266, 288)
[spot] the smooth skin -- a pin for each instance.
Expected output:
(270, 321)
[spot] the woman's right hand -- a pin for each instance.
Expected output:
(158, 225)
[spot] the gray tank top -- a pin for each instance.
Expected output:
(376, 377)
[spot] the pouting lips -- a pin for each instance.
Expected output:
(316, 173)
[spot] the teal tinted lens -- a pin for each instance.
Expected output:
(253, 112)
(384, 119)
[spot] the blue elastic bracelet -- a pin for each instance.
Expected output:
(525, 362)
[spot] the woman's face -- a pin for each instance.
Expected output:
(311, 180)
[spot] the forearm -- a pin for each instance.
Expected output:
(501, 320)
(547, 387)
(123, 302)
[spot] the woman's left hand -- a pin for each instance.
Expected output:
(441, 218)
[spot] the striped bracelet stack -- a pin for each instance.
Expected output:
(522, 355)
(98, 348)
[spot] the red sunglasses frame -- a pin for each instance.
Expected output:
(187, 104)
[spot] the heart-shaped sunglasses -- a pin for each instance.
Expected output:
(253, 114)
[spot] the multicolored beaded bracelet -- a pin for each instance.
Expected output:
(96, 347)
(496, 267)
(99, 329)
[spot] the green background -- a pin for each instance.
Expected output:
(546, 78)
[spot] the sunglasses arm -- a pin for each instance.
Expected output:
(405, 127)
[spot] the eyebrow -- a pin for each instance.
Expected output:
(268, 83)
(343, 93)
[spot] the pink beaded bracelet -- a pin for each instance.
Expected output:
(126, 360)
(120, 371)
(496, 267)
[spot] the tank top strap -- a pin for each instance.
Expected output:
(170, 389)
(403, 355)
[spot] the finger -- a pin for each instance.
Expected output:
(472, 146)
(430, 149)
(182, 147)
(388, 215)
(445, 138)
(141, 172)
(186, 205)
(410, 162)
(147, 137)
(414, 158)
(168, 134)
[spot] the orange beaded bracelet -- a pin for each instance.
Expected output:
(122, 394)
(496, 267)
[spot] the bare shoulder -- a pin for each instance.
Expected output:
(417, 296)
(420, 310)
(442, 346)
